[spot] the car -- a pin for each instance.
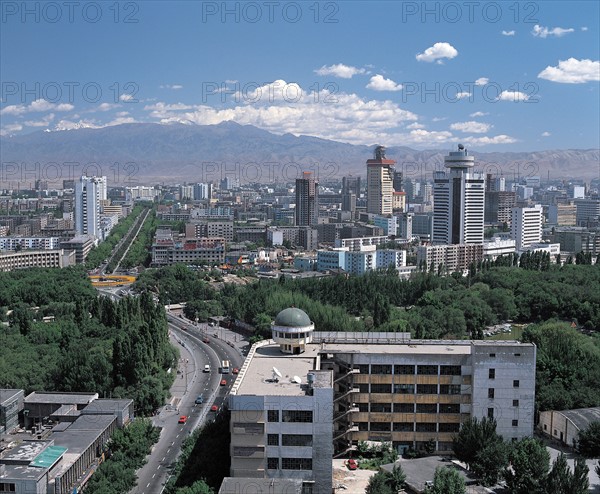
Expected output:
(214, 408)
(199, 400)
(206, 340)
(235, 370)
(183, 419)
(223, 382)
(352, 464)
(206, 368)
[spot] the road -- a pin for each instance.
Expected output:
(190, 382)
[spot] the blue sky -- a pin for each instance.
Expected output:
(505, 76)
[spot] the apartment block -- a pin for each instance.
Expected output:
(456, 257)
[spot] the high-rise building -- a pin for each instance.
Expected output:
(102, 188)
(380, 179)
(351, 185)
(459, 193)
(587, 212)
(397, 181)
(307, 200)
(498, 205)
(526, 226)
(87, 205)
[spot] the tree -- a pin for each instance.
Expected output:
(447, 481)
(580, 482)
(559, 479)
(588, 441)
(386, 482)
(530, 462)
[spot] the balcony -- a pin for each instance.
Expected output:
(341, 414)
(339, 434)
(346, 394)
(347, 374)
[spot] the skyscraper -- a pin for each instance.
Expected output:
(307, 200)
(380, 179)
(526, 226)
(87, 205)
(458, 204)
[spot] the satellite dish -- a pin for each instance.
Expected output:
(276, 372)
(296, 380)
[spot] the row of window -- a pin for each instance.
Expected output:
(290, 416)
(409, 407)
(409, 389)
(280, 334)
(290, 440)
(492, 392)
(408, 427)
(250, 427)
(422, 370)
(290, 463)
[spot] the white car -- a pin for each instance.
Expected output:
(207, 368)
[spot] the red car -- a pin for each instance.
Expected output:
(214, 408)
(223, 382)
(352, 464)
(235, 370)
(206, 340)
(183, 419)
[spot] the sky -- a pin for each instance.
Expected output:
(497, 76)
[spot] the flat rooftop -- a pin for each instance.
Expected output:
(22, 472)
(8, 394)
(61, 398)
(410, 348)
(25, 452)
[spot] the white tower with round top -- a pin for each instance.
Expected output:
(292, 330)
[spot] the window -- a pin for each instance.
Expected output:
(380, 426)
(297, 416)
(273, 439)
(449, 408)
(427, 389)
(381, 407)
(296, 440)
(381, 388)
(426, 427)
(363, 407)
(426, 408)
(449, 389)
(516, 383)
(492, 374)
(363, 368)
(515, 403)
(490, 413)
(427, 370)
(517, 354)
(406, 370)
(403, 427)
(450, 370)
(491, 393)
(404, 407)
(296, 463)
(272, 463)
(404, 389)
(449, 427)
(515, 423)
(363, 426)
(381, 369)
(8, 487)
(363, 388)
(492, 355)
(273, 416)
(249, 427)
(246, 450)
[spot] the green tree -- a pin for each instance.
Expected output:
(588, 440)
(580, 482)
(447, 481)
(530, 462)
(560, 478)
(378, 484)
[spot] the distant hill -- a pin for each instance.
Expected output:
(133, 153)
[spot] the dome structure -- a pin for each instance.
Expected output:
(292, 330)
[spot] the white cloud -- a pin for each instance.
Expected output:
(231, 81)
(119, 121)
(485, 140)
(122, 113)
(439, 119)
(107, 106)
(437, 52)
(380, 83)
(39, 105)
(44, 122)
(70, 125)
(463, 94)
(482, 81)
(9, 129)
(546, 134)
(171, 86)
(544, 32)
(471, 127)
(512, 96)
(126, 97)
(508, 33)
(479, 114)
(584, 28)
(340, 70)
(415, 126)
(572, 71)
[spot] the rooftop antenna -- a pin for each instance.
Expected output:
(276, 374)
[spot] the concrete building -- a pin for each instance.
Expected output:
(587, 212)
(11, 404)
(210, 229)
(498, 206)
(380, 179)
(405, 225)
(564, 426)
(88, 192)
(389, 224)
(57, 258)
(456, 257)
(526, 226)
(36, 243)
(498, 246)
(578, 240)
(360, 243)
(168, 251)
(81, 244)
(331, 260)
(307, 200)
(458, 210)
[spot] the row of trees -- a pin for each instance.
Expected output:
(128, 238)
(139, 251)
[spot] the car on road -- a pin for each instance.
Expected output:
(214, 408)
(235, 370)
(206, 368)
(183, 419)
(206, 340)
(199, 400)
(223, 382)
(352, 464)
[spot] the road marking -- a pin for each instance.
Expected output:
(148, 484)
(153, 475)
(158, 467)
(163, 459)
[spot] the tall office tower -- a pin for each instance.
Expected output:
(397, 181)
(351, 185)
(87, 205)
(307, 200)
(102, 188)
(203, 191)
(458, 201)
(526, 226)
(380, 179)
(349, 202)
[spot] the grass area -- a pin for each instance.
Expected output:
(515, 334)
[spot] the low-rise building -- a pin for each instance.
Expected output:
(565, 425)
(58, 258)
(451, 258)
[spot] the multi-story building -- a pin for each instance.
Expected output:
(351, 185)
(209, 229)
(341, 388)
(380, 180)
(88, 192)
(81, 244)
(36, 243)
(456, 257)
(167, 251)
(526, 226)
(359, 243)
(58, 258)
(498, 206)
(307, 200)
(498, 246)
(405, 225)
(389, 224)
(458, 201)
(578, 240)
(587, 212)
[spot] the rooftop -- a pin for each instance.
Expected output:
(61, 398)
(8, 394)
(292, 317)
(582, 417)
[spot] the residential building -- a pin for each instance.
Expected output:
(359, 243)
(380, 179)
(56, 258)
(88, 192)
(167, 251)
(526, 226)
(497, 247)
(389, 224)
(455, 257)
(81, 244)
(307, 200)
(498, 206)
(587, 212)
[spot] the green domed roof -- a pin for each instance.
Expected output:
(292, 317)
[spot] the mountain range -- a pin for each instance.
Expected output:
(153, 153)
